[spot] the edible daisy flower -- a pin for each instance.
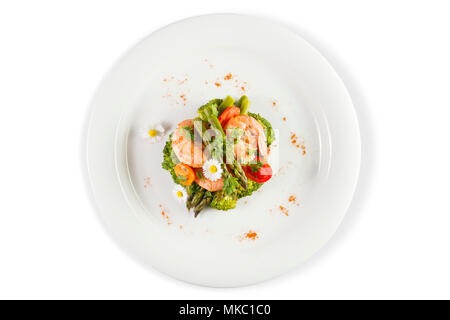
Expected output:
(180, 193)
(212, 170)
(152, 133)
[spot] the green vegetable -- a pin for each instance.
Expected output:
(227, 102)
(240, 175)
(230, 183)
(209, 113)
(252, 186)
(198, 196)
(202, 204)
(244, 105)
(239, 102)
(270, 134)
(191, 190)
(223, 202)
(170, 160)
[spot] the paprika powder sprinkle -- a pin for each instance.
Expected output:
(250, 235)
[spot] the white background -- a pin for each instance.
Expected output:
(394, 57)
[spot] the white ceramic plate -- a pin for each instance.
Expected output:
(164, 79)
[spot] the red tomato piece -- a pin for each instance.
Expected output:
(227, 114)
(258, 174)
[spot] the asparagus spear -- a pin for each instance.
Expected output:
(227, 102)
(238, 103)
(219, 195)
(202, 204)
(198, 196)
(242, 178)
(245, 104)
(191, 195)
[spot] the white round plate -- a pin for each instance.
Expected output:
(163, 80)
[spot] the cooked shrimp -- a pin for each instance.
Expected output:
(251, 139)
(208, 184)
(185, 148)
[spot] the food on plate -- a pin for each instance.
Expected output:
(220, 156)
(184, 147)
(185, 174)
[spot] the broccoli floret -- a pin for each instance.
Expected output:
(170, 160)
(209, 109)
(252, 186)
(226, 203)
(270, 134)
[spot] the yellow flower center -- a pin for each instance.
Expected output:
(152, 133)
(213, 169)
(179, 194)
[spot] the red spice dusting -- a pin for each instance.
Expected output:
(147, 183)
(176, 96)
(251, 235)
(293, 200)
(228, 76)
(164, 214)
(242, 85)
(299, 145)
(217, 84)
(211, 66)
(180, 82)
(284, 210)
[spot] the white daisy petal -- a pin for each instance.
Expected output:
(212, 170)
(160, 129)
(152, 133)
(180, 193)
